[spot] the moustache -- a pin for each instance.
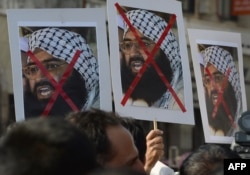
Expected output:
(136, 58)
(44, 83)
(214, 92)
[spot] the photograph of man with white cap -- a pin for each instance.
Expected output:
(222, 88)
(151, 91)
(55, 49)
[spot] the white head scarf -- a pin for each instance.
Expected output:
(23, 43)
(63, 44)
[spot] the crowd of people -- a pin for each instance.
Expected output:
(96, 142)
(85, 140)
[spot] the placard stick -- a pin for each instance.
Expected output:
(155, 124)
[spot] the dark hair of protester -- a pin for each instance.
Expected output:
(117, 171)
(113, 143)
(138, 133)
(87, 122)
(46, 146)
(208, 159)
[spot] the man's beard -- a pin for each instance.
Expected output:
(150, 87)
(221, 119)
(75, 89)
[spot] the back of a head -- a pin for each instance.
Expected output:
(138, 133)
(208, 159)
(94, 123)
(117, 171)
(48, 146)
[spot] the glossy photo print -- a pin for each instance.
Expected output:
(217, 60)
(60, 62)
(149, 61)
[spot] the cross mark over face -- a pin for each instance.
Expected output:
(40, 85)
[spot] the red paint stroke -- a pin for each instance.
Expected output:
(220, 96)
(57, 86)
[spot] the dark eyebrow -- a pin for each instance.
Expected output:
(215, 73)
(142, 38)
(45, 61)
(218, 73)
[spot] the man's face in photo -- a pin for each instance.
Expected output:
(40, 88)
(134, 55)
(214, 84)
(40, 85)
(150, 87)
(217, 86)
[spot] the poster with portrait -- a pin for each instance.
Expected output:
(60, 61)
(218, 67)
(149, 61)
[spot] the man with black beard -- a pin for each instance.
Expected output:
(149, 82)
(150, 90)
(221, 80)
(55, 48)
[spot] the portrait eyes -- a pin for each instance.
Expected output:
(217, 78)
(126, 46)
(30, 71)
(53, 65)
(147, 43)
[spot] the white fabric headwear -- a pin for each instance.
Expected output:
(23, 43)
(120, 22)
(63, 44)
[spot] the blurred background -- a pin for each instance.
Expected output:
(223, 15)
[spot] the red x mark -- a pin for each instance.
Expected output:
(57, 86)
(220, 97)
(149, 60)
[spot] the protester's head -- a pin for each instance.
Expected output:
(50, 146)
(149, 27)
(113, 143)
(220, 75)
(138, 133)
(117, 171)
(150, 146)
(56, 50)
(208, 159)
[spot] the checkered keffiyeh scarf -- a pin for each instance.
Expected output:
(63, 44)
(152, 26)
(222, 61)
